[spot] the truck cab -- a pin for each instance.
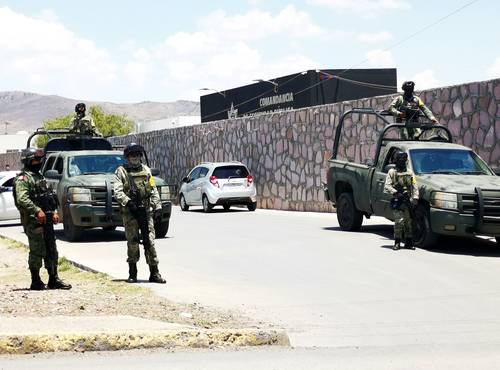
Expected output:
(81, 171)
(459, 194)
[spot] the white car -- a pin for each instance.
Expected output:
(218, 183)
(8, 210)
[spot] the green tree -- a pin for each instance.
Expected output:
(107, 124)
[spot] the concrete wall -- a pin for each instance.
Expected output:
(13, 159)
(288, 152)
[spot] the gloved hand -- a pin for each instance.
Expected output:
(55, 218)
(406, 193)
(435, 121)
(414, 202)
(132, 207)
(41, 217)
(157, 214)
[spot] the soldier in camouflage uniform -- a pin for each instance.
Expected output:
(140, 174)
(409, 100)
(82, 123)
(29, 184)
(402, 185)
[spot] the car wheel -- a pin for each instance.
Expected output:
(109, 228)
(72, 232)
(423, 236)
(207, 206)
(348, 216)
(252, 206)
(227, 207)
(161, 229)
(183, 204)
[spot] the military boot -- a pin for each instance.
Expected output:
(54, 281)
(132, 273)
(36, 282)
(155, 276)
(397, 244)
(409, 244)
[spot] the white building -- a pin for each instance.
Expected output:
(13, 142)
(166, 123)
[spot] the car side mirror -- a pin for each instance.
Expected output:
(3, 189)
(155, 171)
(52, 174)
(185, 179)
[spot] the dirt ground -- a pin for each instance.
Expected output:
(96, 294)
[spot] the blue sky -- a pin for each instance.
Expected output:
(130, 51)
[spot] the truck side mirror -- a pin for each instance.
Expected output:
(155, 171)
(3, 189)
(53, 175)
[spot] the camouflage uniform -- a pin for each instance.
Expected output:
(145, 184)
(404, 181)
(84, 125)
(414, 103)
(28, 185)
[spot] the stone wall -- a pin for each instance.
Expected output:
(288, 152)
(13, 159)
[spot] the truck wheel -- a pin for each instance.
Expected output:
(72, 232)
(207, 206)
(161, 229)
(183, 204)
(109, 228)
(423, 236)
(497, 239)
(349, 217)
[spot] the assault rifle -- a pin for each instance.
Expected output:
(141, 215)
(403, 197)
(48, 202)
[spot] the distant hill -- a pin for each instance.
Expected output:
(26, 111)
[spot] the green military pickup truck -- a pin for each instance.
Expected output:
(459, 193)
(81, 171)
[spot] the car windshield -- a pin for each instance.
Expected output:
(94, 164)
(226, 172)
(447, 161)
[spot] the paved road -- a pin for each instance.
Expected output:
(326, 287)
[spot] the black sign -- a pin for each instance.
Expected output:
(300, 90)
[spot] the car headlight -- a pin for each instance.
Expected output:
(79, 195)
(164, 192)
(444, 200)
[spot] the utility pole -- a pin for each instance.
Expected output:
(6, 124)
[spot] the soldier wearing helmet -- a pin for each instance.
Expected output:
(135, 177)
(401, 184)
(28, 187)
(83, 124)
(402, 104)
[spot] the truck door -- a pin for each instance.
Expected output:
(381, 200)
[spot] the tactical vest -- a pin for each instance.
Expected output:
(144, 183)
(403, 180)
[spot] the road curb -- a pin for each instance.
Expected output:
(26, 344)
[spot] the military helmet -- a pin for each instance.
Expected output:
(80, 107)
(30, 154)
(408, 86)
(133, 148)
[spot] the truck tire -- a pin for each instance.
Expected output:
(72, 232)
(161, 229)
(497, 238)
(109, 228)
(348, 216)
(182, 203)
(423, 235)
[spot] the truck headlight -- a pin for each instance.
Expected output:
(164, 192)
(79, 195)
(444, 200)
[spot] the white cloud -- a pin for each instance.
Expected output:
(374, 38)
(363, 6)
(493, 71)
(38, 54)
(424, 80)
(380, 59)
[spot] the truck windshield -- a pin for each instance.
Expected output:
(447, 161)
(93, 164)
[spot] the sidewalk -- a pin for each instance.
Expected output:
(96, 315)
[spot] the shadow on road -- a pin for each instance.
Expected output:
(476, 247)
(221, 210)
(95, 235)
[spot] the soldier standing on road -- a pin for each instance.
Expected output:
(409, 100)
(82, 123)
(402, 185)
(29, 186)
(143, 182)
